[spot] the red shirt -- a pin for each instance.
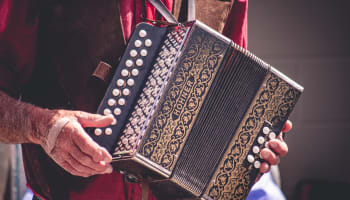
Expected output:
(18, 37)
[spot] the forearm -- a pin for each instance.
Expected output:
(22, 122)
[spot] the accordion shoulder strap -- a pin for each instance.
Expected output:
(163, 10)
(191, 10)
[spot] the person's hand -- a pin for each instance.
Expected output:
(73, 149)
(277, 148)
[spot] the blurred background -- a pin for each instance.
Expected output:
(310, 42)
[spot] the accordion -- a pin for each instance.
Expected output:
(193, 111)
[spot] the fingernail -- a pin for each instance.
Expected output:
(264, 154)
(273, 145)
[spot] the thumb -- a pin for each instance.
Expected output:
(94, 120)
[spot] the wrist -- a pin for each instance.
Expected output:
(41, 121)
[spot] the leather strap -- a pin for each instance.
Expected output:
(191, 10)
(163, 10)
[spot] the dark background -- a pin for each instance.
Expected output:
(309, 41)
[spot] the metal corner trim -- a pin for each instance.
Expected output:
(287, 79)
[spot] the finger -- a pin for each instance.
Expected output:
(278, 146)
(94, 120)
(87, 161)
(265, 167)
(270, 156)
(81, 168)
(66, 166)
(90, 147)
(287, 126)
(60, 160)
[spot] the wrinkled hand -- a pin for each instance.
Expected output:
(74, 150)
(277, 148)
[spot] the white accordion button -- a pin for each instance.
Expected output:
(261, 140)
(142, 33)
(130, 82)
(107, 111)
(256, 149)
(257, 164)
(135, 72)
(137, 43)
(117, 111)
(139, 62)
(129, 63)
(121, 101)
(143, 52)
(116, 92)
(148, 43)
(114, 122)
(111, 102)
(98, 132)
(250, 158)
(108, 131)
(272, 135)
(120, 82)
(124, 73)
(266, 130)
(126, 92)
(133, 53)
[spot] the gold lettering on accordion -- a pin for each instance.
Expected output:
(193, 77)
(273, 102)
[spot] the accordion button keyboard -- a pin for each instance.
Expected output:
(272, 135)
(112, 102)
(130, 82)
(266, 130)
(116, 92)
(250, 158)
(117, 111)
(125, 73)
(98, 132)
(126, 92)
(107, 111)
(129, 63)
(139, 62)
(148, 42)
(256, 149)
(143, 52)
(257, 164)
(261, 140)
(133, 53)
(108, 131)
(135, 72)
(120, 83)
(121, 101)
(142, 33)
(138, 43)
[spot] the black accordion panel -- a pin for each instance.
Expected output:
(193, 125)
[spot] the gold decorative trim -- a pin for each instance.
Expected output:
(184, 98)
(273, 103)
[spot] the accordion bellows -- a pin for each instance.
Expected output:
(193, 111)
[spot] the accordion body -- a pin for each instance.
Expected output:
(193, 111)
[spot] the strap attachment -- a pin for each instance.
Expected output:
(169, 17)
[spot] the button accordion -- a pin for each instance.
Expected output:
(193, 111)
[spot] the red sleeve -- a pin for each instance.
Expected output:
(236, 26)
(18, 28)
